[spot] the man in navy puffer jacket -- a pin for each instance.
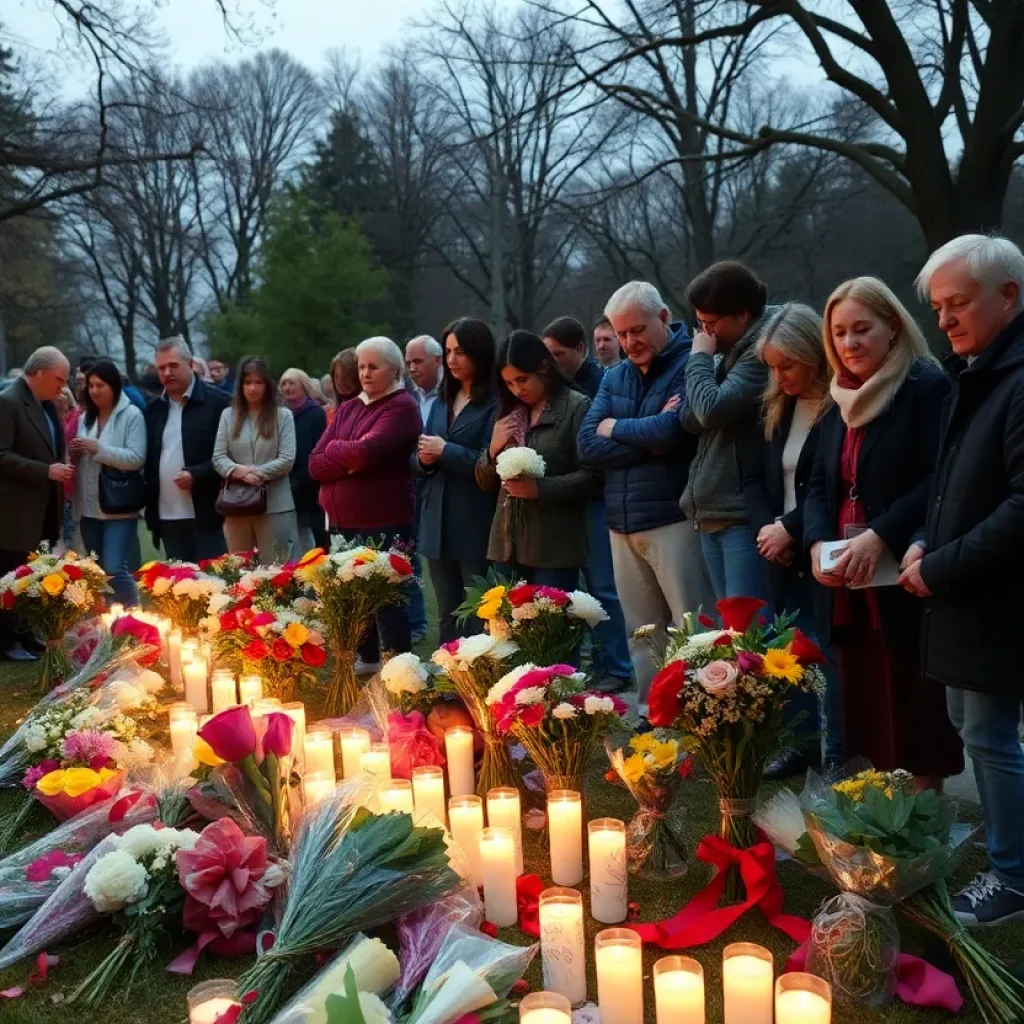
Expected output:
(633, 433)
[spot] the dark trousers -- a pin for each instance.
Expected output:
(10, 624)
(185, 541)
(450, 579)
(316, 523)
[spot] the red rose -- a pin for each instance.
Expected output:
(228, 622)
(725, 640)
(402, 566)
(805, 650)
(738, 612)
(281, 650)
(663, 700)
(559, 598)
(313, 655)
(22, 571)
(73, 573)
(255, 650)
(8, 600)
(706, 621)
(518, 596)
(283, 578)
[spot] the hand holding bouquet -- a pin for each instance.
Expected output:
(518, 463)
(180, 591)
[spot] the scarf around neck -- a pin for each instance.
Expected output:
(861, 402)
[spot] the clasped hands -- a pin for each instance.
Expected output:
(244, 474)
(856, 564)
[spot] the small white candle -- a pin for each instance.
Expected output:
(208, 1012)
(562, 943)
(183, 725)
(466, 821)
(679, 990)
(609, 892)
(206, 1002)
(498, 870)
(375, 763)
(319, 750)
(544, 1008)
(315, 786)
(296, 711)
(353, 742)
(250, 689)
(196, 685)
(620, 980)
(802, 999)
(223, 692)
(428, 792)
(565, 826)
(174, 658)
(747, 984)
(458, 745)
(503, 809)
(396, 795)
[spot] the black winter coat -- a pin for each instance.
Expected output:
(896, 460)
(310, 423)
(975, 529)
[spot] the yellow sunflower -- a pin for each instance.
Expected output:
(783, 665)
(665, 754)
(53, 584)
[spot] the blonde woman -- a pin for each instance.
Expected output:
(776, 467)
(302, 396)
(876, 450)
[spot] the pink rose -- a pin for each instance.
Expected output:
(718, 678)
(412, 744)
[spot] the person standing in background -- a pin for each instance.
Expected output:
(33, 472)
(220, 375)
(566, 340)
(181, 483)
(344, 379)
(310, 422)
(606, 344)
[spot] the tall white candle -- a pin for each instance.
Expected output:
(206, 1002)
(316, 785)
(679, 990)
(609, 893)
(802, 999)
(396, 795)
(503, 809)
(375, 763)
(544, 1008)
(319, 751)
(565, 826)
(353, 742)
(747, 984)
(183, 725)
(164, 628)
(196, 685)
(296, 711)
(620, 980)
(466, 821)
(189, 650)
(174, 658)
(223, 692)
(428, 792)
(498, 870)
(250, 689)
(458, 745)
(562, 944)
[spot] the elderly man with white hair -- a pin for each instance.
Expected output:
(968, 560)
(423, 359)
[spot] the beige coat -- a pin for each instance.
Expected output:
(272, 457)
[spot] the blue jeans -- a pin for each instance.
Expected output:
(733, 562)
(610, 656)
(114, 540)
(988, 724)
(450, 579)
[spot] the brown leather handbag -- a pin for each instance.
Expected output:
(237, 498)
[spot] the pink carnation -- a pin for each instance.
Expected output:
(557, 597)
(89, 746)
(35, 773)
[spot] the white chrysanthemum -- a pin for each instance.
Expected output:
(564, 711)
(34, 738)
(531, 695)
(597, 705)
(520, 462)
(586, 607)
(160, 586)
(133, 754)
(497, 692)
(116, 880)
(373, 1009)
(218, 602)
(482, 645)
(85, 717)
(405, 673)
(141, 841)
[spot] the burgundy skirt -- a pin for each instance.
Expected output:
(891, 715)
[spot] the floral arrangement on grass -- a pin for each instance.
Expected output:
(352, 584)
(474, 664)
(555, 717)
(229, 567)
(180, 591)
(277, 645)
(518, 463)
(726, 689)
(51, 593)
(274, 586)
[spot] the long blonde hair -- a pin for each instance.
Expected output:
(795, 331)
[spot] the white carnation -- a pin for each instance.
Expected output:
(531, 695)
(481, 645)
(116, 880)
(218, 602)
(564, 710)
(405, 673)
(520, 462)
(497, 692)
(598, 705)
(443, 659)
(141, 841)
(586, 607)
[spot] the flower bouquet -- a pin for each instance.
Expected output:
(229, 567)
(408, 682)
(547, 624)
(352, 583)
(474, 664)
(727, 689)
(351, 870)
(650, 766)
(275, 644)
(179, 591)
(555, 718)
(50, 594)
(273, 586)
(517, 464)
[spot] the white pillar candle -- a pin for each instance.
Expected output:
(498, 871)
(565, 826)
(747, 984)
(428, 792)
(503, 809)
(802, 999)
(620, 978)
(679, 990)
(250, 689)
(353, 742)
(545, 1008)
(375, 763)
(183, 725)
(466, 821)
(223, 691)
(296, 711)
(319, 751)
(196, 685)
(164, 628)
(315, 786)
(206, 1002)
(396, 795)
(189, 650)
(458, 745)
(609, 892)
(174, 658)
(562, 944)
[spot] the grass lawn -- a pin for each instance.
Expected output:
(159, 996)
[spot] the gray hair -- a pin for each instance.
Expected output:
(634, 295)
(991, 260)
(45, 358)
(175, 341)
(386, 349)
(431, 345)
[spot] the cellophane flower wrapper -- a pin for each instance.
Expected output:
(351, 870)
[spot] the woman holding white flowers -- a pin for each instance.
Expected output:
(540, 525)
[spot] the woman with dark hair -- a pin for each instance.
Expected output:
(456, 514)
(539, 408)
(111, 434)
(344, 374)
(256, 445)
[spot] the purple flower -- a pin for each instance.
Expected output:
(749, 662)
(89, 745)
(34, 774)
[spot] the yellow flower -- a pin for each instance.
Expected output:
(52, 783)
(20, 586)
(783, 665)
(665, 754)
(644, 742)
(871, 779)
(53, 584)
(489, 609)
(80, 780)
(633, 767)
(147, 566)
(494, 594)
(204, 753)
(296, 634)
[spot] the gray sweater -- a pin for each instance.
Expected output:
(271, 457)
(122, 445)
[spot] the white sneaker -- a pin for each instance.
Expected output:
(366, 668)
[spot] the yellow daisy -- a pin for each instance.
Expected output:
(489, 609)
(633, 767)
(665, 754)
(783, 665)
(646, 741)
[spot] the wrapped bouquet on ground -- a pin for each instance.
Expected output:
(229, 567)
(180, 591)
(274, 586)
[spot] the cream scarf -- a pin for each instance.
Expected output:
(860, 403)
(367, 400)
